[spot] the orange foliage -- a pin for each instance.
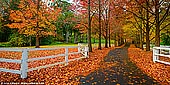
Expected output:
(58, 75)
(143, 60)
(32, 19)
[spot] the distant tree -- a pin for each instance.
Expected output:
(66, 21)
(4, 13)
(87, 8)
(0, 23)
(165, 39)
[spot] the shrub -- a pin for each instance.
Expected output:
(165, 39)
(17, 40)
(46, 40)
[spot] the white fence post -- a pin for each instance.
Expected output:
(24, 59)
(86, 52)
(79, 47)
(66, 56)
(157, 52)
(24, 64)
(154, 56)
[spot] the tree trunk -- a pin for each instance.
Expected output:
(147, 28)
(147, 42)
(89, 28)
(116, 40)
(37, 36)
(30, 40)
(67, 36)
(70, 37)
(109, 38)
(100, 31)
(109, 24)
(37, 42)
(157, 34)
(106, 43)
(141, 35)
(119, 39)
(122, 41)
(141, 28)
(157, 37)
(106, 21)
(141, 39)
(106, 39)
(75, 37)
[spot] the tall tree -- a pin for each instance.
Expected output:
(162, 9)
(34, 18)
(86, 7)
(106, 17)
(100, 29)
(66, 21)
(147, 18)
(89, 27)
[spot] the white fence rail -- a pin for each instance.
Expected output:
(95, 45)
(161, 51)
(24, 60)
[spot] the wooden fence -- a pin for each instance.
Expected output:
(161, 52)
(24, 59)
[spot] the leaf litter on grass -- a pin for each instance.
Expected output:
(143, 60)
(59, 74)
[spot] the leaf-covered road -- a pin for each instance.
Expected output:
(116, 69)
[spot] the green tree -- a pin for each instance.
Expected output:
(17, 40)
(165, 39)
(5, 6)
(66, 21)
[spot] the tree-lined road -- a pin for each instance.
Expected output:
(122, 72)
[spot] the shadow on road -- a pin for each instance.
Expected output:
(116, 69)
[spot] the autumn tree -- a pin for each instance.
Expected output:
(156, 13)
(86, 7)
(34, 18)
(106, 17)
(147, 18)
(100, 29)
(4, 7)
(89, 27)
(161, 13)
(116, 19)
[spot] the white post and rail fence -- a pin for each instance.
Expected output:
(24, 59)
(161, 52)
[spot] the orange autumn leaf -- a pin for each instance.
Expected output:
(31, 19)
(59, 74)
(144, 61)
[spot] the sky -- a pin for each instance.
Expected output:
(69, 1)
(63, 0)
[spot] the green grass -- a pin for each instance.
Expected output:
(96, 40)
(4, 44)
(55, 44)
(61, 44)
